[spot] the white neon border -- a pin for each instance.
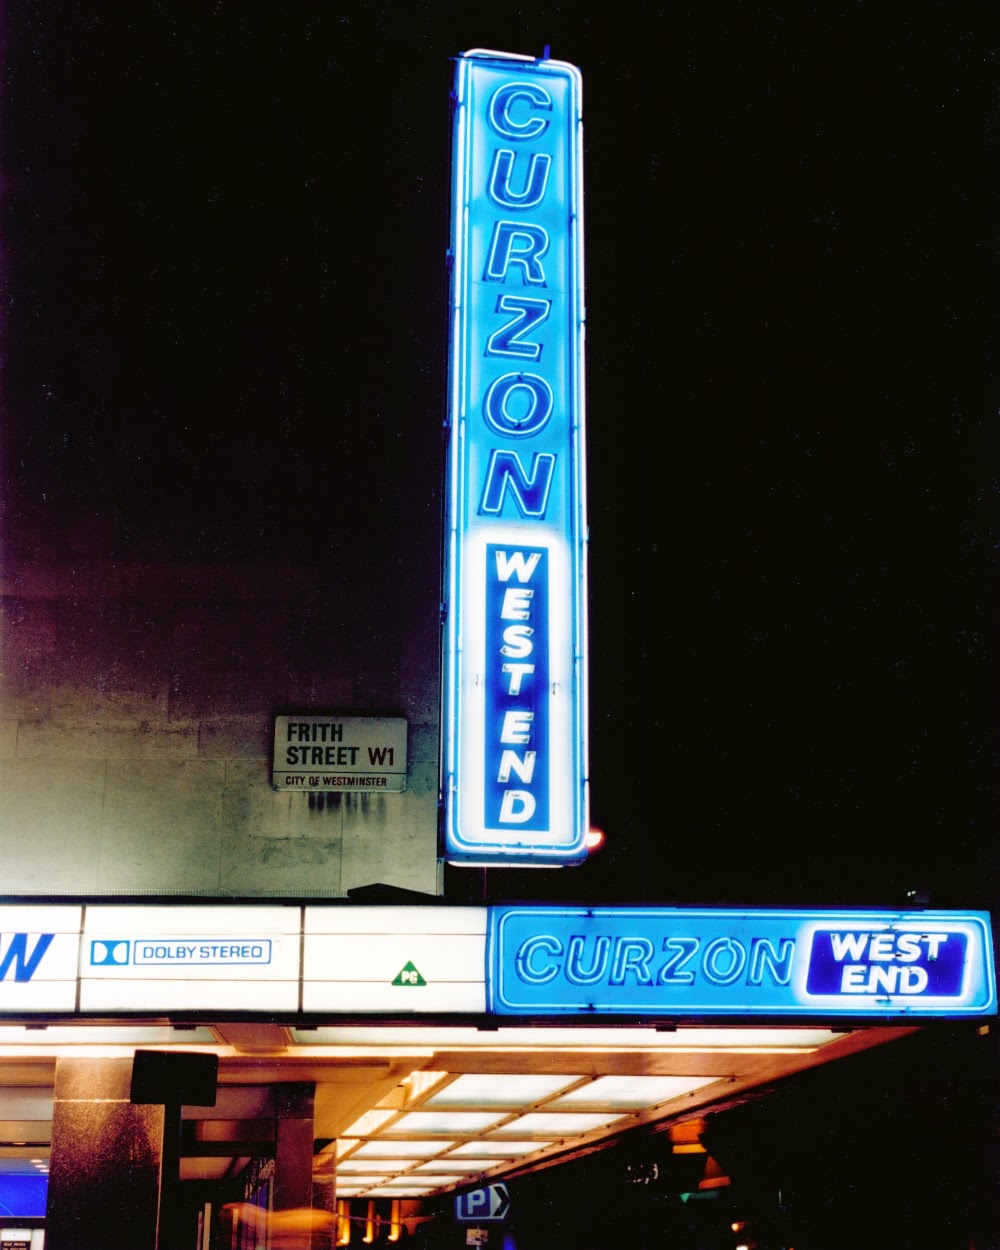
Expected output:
(461, 757)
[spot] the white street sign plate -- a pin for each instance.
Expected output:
(333, 754)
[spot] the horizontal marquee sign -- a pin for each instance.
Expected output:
(631, 962)
(340, 753)
(662, 961)
(514, 767)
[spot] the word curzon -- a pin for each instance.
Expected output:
(622, 960)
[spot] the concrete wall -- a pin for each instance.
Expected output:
(136, 720)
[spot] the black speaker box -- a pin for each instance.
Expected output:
(180, 1078)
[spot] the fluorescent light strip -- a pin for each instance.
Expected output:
(447, 1166)
(378, 1148)
(415, 1191)
(581, 1040)
(446, 1123)
(493, 1150)
(350, 1167)
(50, 1035)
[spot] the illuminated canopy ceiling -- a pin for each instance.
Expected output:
(409, 1111)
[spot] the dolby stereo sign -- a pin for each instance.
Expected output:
(514, 724)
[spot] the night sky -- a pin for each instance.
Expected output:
(225, 338)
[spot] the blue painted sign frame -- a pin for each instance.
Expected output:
(514, 722)
(661, 961)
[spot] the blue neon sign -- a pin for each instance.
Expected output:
(666, 961)
(514, 718)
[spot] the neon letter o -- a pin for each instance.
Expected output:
(498, 415)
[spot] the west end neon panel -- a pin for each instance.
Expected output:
(514, 760)
(672, 962)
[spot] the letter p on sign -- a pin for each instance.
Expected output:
(479, 1205)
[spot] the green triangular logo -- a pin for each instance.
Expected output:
(408, 975)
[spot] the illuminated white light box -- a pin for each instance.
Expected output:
(190, 958)
(398, 960)
(38, 958)
(514, 769)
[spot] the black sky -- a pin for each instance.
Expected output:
(225, 337)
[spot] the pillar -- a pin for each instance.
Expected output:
(293, 1147)
(303, 1216)
(104, 1179)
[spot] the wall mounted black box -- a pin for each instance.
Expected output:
(180, 1078)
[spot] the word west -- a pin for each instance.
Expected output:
(887, 962)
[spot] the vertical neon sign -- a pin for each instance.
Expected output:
(514, 766)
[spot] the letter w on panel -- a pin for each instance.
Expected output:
(16, 955)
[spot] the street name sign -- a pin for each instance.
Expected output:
(340, 753)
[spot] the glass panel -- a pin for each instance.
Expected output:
(498, 1090)
(560, 1123)
(350, 1166)
(398, 1150)
(631, 1092)
(447, 1123)
(492, 1150)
